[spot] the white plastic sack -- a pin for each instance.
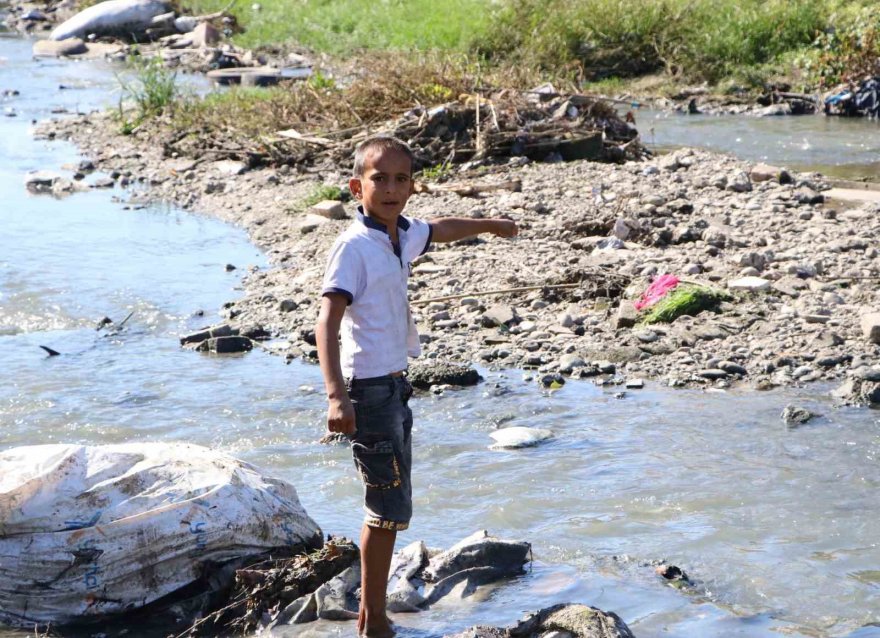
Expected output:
(112, 17)
(88, 531)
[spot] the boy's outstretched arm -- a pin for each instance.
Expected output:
(340, 412)
(454, 228)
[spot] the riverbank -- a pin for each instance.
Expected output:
(698, 215)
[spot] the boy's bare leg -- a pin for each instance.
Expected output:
(377, 547)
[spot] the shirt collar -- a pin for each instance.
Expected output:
(369, 222)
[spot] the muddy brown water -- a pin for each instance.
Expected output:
(777, 527)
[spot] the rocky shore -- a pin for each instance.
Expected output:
(593, 235)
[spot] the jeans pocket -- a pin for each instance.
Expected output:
(377, 464)
(372, 397)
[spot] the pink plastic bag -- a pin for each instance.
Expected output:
(656, 291)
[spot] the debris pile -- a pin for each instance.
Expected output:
(474, 130)
(326, 584)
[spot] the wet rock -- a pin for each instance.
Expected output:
(793, 415)
(59, 49)
(712, 374)
(581, 621)
(477, 551)
(552, 381)
(858, 392)
(635, 384)
(103, 182)
(41, 181)
(570, 362)
(336, 600)
(518, 437)
(226, 345)
(671, 572)
(406, 566)
(223, 330)
(423, 374)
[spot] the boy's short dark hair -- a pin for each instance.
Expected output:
(379, 143)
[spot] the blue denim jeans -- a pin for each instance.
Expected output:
(382, 448)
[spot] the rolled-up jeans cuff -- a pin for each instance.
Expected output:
(396, 526)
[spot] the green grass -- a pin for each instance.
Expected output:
(344, 27)
(684, 300)
(323, 192)
(152, 90)
(693, 40)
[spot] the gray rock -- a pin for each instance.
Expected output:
(226, 345)
(479, 550)
(870, 324)
(569, 362)
(302, 610)
(635, 384)
(329, 208)
(806, 195)
(794, 415)
(223, 330)
(335, 599)
(59, 49)
(739, 182)
(712, 374)
(627, 315)
(732, 368)
(424, 374)
(499, 316)
(41, 181)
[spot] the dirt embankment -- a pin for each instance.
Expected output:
(704, 217)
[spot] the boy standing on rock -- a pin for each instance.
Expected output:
(365, 294)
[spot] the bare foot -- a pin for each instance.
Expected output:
(380, 630)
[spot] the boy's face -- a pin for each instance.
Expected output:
(385, 185)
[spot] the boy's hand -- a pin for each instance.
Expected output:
(504, 228)
(340, 416)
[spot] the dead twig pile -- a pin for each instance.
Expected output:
(448, 117)
(263, 590)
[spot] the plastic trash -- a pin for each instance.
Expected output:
(91, 531)
(656, 291)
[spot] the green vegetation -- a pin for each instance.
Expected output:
(346, 27)
(325, 191)
(684, 300)
(152, 90)
(436, 173)
(743, 42)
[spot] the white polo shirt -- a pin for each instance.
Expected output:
(377, 329)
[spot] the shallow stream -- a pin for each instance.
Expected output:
(778, 527)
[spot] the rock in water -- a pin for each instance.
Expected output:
(568, 619)
(479, 550)
(794, 415)
(113, 17)
(518, 437)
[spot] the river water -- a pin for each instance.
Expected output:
(777, 527)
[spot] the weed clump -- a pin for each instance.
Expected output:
(685, 300)
(152, 91)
